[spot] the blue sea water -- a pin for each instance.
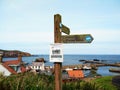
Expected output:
(74, 59)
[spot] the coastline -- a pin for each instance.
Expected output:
(74, 60)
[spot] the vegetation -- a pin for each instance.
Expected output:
(29, 81)
(71, 86)
(106, 83)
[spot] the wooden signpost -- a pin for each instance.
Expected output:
(80, 38)
(59, 38)
(64, 29)
(57, 65)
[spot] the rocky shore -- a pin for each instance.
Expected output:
(13, 53)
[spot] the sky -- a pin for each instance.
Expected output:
(28, 25)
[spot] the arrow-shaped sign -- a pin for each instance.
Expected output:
(80, 38)
(64, 29)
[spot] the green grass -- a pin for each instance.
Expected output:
(105, 83)
(29, 81)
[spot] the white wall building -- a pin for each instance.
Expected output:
(11, 66)
(38, 64)
(4, 71)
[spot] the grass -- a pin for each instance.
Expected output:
(105, 83)
(29, 81)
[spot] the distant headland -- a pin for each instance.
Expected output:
(13, 53)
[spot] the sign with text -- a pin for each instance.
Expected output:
(56, 52)
(80, 38)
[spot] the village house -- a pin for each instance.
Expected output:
(77, 74)
(12, 66)
(38, 65)
(71, 75)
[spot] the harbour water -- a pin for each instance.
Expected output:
(74, 59)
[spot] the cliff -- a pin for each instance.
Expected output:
(13, 53)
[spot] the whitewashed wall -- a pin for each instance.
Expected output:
(4, 70)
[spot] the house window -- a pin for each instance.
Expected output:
(39, 67)
(12, 67)
(33, 67)
(36, 67)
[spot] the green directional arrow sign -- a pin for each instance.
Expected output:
(65, 29)
(80, 38)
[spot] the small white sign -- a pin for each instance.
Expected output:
(56, 52)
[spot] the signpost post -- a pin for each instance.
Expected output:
(57, 65)
(55, 54)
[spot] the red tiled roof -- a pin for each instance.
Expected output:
(13, 62)
(75, 73)
(9, 68)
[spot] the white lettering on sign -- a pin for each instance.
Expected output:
(56, 52)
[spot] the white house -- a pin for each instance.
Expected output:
(4, 71)
(38, 64)
(11, 66)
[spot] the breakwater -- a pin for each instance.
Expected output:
(72, 66)
(79, 66)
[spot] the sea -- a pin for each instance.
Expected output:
(75, 59)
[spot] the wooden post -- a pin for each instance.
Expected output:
(1, 58)
(57, 65)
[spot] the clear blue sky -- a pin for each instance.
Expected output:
(28, 25)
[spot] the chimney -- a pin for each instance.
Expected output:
(20, 57)
(1, 58)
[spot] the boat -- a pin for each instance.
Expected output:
(114, 70)
(67, 69)
(86, 67)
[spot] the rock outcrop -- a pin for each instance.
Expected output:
(13, 53)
